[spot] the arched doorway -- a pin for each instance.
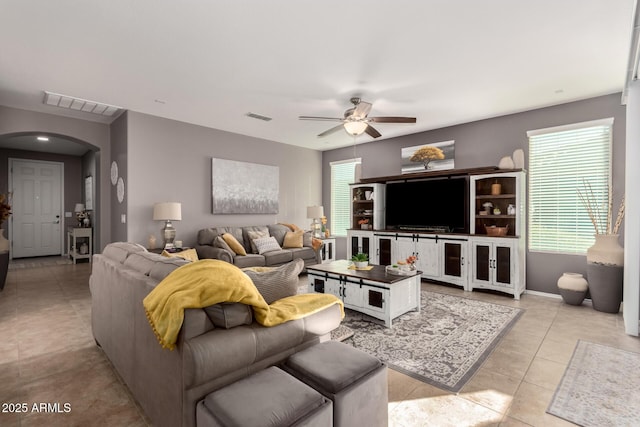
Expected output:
(42, 212)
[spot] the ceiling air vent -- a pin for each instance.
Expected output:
(259, 117)
(78, 104)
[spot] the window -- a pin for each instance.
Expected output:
(562, 160)
(342, 174)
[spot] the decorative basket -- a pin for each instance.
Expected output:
(494, 231)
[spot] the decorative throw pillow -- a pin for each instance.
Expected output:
(188, 254)
(257, 234)
(293, 239)
(234, 244)
(275, 283)
(266, 244)
(219, 242)
(229, 314)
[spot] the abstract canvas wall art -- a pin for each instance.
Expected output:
(243, 187)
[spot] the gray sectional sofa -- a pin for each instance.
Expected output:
(209, 245)
(208, 356)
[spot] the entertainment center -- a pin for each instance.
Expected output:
(465, 226)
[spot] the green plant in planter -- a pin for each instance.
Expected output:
(360, 257)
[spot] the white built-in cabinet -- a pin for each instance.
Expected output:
(471, 261)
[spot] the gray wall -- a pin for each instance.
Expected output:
(483, 143)
(96, 135)
(171, 161)
(119, 155)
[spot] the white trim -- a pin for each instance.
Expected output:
(581, 125)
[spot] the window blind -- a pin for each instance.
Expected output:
(342, 174)
(563, 161)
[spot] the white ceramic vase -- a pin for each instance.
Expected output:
(606, 251)
(573, 288)
(605, 271)
(4, 243)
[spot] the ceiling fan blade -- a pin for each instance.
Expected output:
(330, 131)
(372, 132)
(362, 109)
(326, 119)
(392, 119)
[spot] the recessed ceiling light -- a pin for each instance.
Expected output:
(43, 138)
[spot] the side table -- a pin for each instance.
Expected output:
(73, 234)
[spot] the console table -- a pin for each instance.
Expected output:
(374, 292)
(73, 234)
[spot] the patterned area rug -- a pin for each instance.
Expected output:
(443, 345)
(600, 387)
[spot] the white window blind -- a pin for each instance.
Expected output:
(342, 174)
(561, 161)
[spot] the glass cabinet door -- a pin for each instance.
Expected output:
(482, 267)
(503, 264)
(453, 259)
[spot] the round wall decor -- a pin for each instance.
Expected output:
(114, 173)
(120, 189)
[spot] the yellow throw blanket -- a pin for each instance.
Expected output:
(206, 282)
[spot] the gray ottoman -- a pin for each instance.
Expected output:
(269, 398)
(355, 381)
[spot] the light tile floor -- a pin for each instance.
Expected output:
(48, 355)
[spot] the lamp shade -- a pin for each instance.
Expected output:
(355, 128)
(171, 211)
(79, 207)
(315, 212)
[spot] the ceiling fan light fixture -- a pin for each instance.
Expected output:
(355, 128)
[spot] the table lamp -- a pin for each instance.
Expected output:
(168, 211)
(80, 213)
(315, 212)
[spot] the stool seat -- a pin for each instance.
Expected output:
(355, 381)
(269, 398)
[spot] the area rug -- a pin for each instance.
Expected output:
(600, 387)
(443, 345)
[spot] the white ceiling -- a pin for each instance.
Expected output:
(211, 62)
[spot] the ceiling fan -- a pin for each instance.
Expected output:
(356, 120)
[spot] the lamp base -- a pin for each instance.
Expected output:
(169, 235)
(316, 228)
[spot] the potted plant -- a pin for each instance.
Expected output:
(360, 260)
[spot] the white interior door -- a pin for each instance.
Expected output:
(37, 208)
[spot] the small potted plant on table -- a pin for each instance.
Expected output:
(360, 260)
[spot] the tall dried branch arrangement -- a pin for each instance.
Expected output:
(595, 211)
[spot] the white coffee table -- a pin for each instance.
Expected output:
(374, 292)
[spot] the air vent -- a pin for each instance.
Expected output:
(259, 117)
(78, 104)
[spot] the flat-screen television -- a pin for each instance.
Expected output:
(438, 204)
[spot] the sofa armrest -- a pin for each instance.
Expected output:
(206, 251)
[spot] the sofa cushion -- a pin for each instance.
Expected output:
(266, 244)
(249, 260)
(246, 239)
(119, 251)
(188, 254)
(229, 315)
(293, 239)
(163, 267)
(256, 234)
(141, 261)
(279, 231)
(275, 283)
(219, 242)
(234, 244)
(303, 253)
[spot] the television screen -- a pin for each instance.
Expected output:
(434, 204)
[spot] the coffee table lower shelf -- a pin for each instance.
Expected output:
(373, 292)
